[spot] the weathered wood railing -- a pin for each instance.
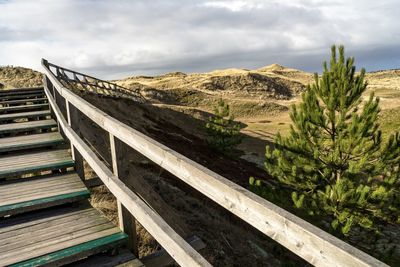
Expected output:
(73, 79)
(307, 241)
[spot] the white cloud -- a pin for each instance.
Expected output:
(236, 5)
(112, 38)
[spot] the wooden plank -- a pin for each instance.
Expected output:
(127, 223)
(42, 192)
(34, 181)
(27, 126)
(174, 244)
(79, 166)
(46, 247)
(55, 234)
(107, 260)
(27, 223)
(52, 228)
(27, 190)
(44, 202)
(81, 250)
(304, 239)
(161, 258)
(23, 101)
(27, 163)
(35, 228)
(30, 141)
(22, 96)
(22, 115)
(93, 182)
(45, 236)
(23, 107)
(21, 90)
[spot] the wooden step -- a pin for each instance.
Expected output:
(24, 107)
(24, 163)
(56, 237)
(23, 96)
(24, 115)
(29, 194)
(35, 88)
(125, 258)
(21, 91)
(30, 141)
(22, 101)
(27, 126)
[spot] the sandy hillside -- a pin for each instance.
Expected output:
(17, 77)
(260, 98)
(271, 82)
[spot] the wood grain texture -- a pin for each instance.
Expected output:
(21, 90)
(107, 260)
(23, 107)
(27, 126)
(309, 242)
(174, 244)
(39, 161)
(31, 189)
(22, 115)
(23, 101)
(38, 236)
(22, 96)
(30, 141)
(77, 252)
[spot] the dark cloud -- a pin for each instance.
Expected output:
(117, 38)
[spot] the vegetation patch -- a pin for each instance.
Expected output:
(256, 108)
(389, 121)
(334, 158)
(19, 77)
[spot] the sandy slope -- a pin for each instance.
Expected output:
(16, 77)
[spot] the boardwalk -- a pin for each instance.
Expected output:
(45, 216)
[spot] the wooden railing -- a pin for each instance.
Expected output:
(76, 80)
(307, 241)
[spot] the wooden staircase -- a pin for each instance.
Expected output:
(45, 218)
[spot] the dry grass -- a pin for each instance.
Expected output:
(17, 77)
(102, 200)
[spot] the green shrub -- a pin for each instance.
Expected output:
(223, 133)
(334, 158)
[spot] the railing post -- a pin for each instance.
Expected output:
(76, 156)
(127, 222)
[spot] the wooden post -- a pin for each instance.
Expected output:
(76, 156)
(127, 222)
(69, 123)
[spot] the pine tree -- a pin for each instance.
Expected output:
(223, 132)
(334, 158)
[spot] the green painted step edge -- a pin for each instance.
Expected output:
(38, 144)
(51, 257)
(59, 165)
(83, 194)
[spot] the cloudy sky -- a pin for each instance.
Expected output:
(120, 38)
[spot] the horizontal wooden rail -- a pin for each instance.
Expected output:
(174, 244)
(307, 241)
(93, 84)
